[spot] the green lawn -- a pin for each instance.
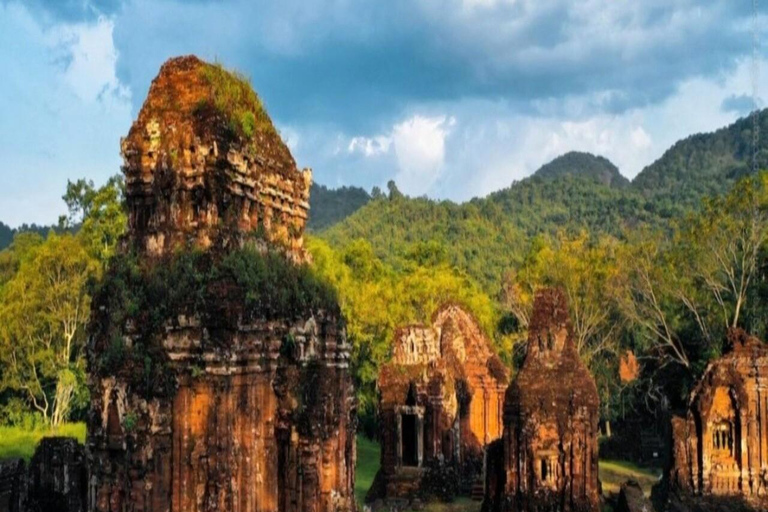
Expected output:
(16, 442)
(367, 465)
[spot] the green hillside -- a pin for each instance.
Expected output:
(702, 165)
(574, 192)
(576, 163)
(485, 237)
(329, 206)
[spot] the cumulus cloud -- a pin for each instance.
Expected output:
(419, 144)
(452, 98)
(360, 64)
(63, 111)
(370, 146)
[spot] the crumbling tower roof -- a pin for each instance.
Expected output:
(203, 163)
(552, 380)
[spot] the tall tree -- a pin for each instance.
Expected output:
(45, 307)
(99, 213)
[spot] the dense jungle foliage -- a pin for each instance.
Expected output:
(656, 271)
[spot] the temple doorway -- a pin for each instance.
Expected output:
(410, 441)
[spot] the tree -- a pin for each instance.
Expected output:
(589, 271)
(377, 298)
(44, 311)
(99, 213)
(651, 302)
(722, 244)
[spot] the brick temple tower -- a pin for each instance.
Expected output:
(216, 385)
(720, 448)
(441, 400)
(547, 458)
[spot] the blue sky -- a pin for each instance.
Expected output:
(451, 98)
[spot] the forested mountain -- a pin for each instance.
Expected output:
(701, 165)
(329, 206)
(588, 165)
(574, 192)
(484, 237)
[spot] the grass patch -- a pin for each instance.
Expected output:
(16, 442)
(613, 473)
(368, 458)
(234, 97)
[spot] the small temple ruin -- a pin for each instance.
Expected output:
(720, 448)
(215, 405)
(547, 458)
(441, 403)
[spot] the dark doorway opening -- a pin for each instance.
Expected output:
(410, 441)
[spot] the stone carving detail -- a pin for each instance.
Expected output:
(260, 415)
(441, 399)
(547, 458)
(721, 447)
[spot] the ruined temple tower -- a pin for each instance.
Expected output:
(216, 386)
(441, 399)
(721, 447)
(547, 457)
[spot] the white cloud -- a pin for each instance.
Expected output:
(369, 147)
(640, 138)
(419, 144)
(63, 111)
(91, 58)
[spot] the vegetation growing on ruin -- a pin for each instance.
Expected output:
(139, 297)
(234, 97)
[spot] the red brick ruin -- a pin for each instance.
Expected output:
(547, 458)
(246, 428)
(721, 447)
(441, 402)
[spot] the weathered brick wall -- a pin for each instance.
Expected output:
(13, 485)
(721, 447)
(187, 180)
(257, 415)
(448, 375)
(54, 480)
(549, 459)
(57, 476)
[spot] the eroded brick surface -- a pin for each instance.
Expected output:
(259, 415)
(188, 177)
(441, 403)
(548, 455)
(721, 447)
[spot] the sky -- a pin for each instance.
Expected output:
(450, 98)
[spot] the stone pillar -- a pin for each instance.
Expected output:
(706, 449)
(486, 414)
